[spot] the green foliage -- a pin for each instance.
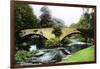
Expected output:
(24, 19)
(82, 39)
(73, 25)
(86, 21)
(82, 23)
(53, 42)
(22, 55)
(57, 31)
(86, 24)
(66, 41)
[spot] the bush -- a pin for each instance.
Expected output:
(22, 55)
(57, 31)
(53, 42)
(82, 39)
(66, 41)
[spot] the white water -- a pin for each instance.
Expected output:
(33, 47)
(77, 42)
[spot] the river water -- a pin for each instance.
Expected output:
(47, 56)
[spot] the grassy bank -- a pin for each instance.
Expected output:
(81, 56)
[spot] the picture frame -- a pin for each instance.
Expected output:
(90, 38)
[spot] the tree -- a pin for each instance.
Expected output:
(73, 25)
(57, 31)
(24, 19)
(45, 17)
(86, 24)
(57, 22)
(86, 20)
(46, 20)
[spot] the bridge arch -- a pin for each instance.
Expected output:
(34, 39)
(34, 36)
(71, 34)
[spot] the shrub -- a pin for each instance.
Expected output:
(22, 55)
(57, 31)
(66, 41)
(53, 42)
(82, 39)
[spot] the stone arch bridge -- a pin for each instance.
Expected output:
(47, 32)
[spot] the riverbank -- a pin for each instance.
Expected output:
(84, 55)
